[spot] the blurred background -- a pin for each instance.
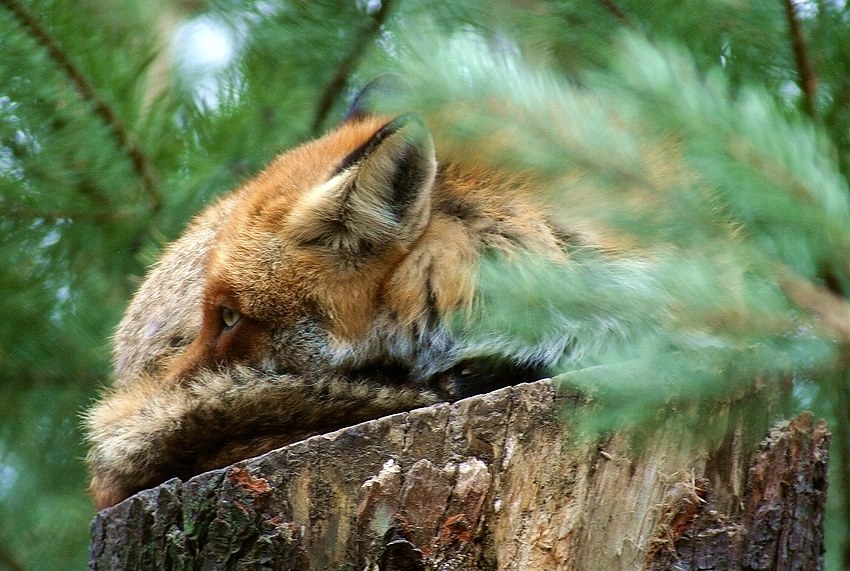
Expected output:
(120, 119)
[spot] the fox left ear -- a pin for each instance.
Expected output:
(379, 196)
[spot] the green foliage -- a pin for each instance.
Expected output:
(681, 128)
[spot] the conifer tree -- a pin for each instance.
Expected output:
(714, 134)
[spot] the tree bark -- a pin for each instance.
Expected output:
(497, 481)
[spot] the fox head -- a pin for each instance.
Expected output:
(295, 276)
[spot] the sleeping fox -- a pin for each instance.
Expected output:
(317, 295)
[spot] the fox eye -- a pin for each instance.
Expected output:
(229, 317)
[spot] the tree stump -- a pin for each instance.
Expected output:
(496, 481)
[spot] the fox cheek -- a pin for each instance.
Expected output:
(197, 356)
(214, 347)
(245, 342)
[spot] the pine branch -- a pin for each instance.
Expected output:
(808, 78)
(618, 13)
(126, 141)
(347, 65)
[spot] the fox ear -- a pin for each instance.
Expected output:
(379, 196)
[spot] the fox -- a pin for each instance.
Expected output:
(319, 294)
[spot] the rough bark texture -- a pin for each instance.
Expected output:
(492, 482)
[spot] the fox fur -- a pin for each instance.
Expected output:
(317, 295)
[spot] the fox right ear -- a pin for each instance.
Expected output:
(378, 198)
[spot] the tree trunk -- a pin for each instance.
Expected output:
(492, 482)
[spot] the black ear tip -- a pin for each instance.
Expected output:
(413, 126)
(410, 127)
(408, 120)
(383, 86)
